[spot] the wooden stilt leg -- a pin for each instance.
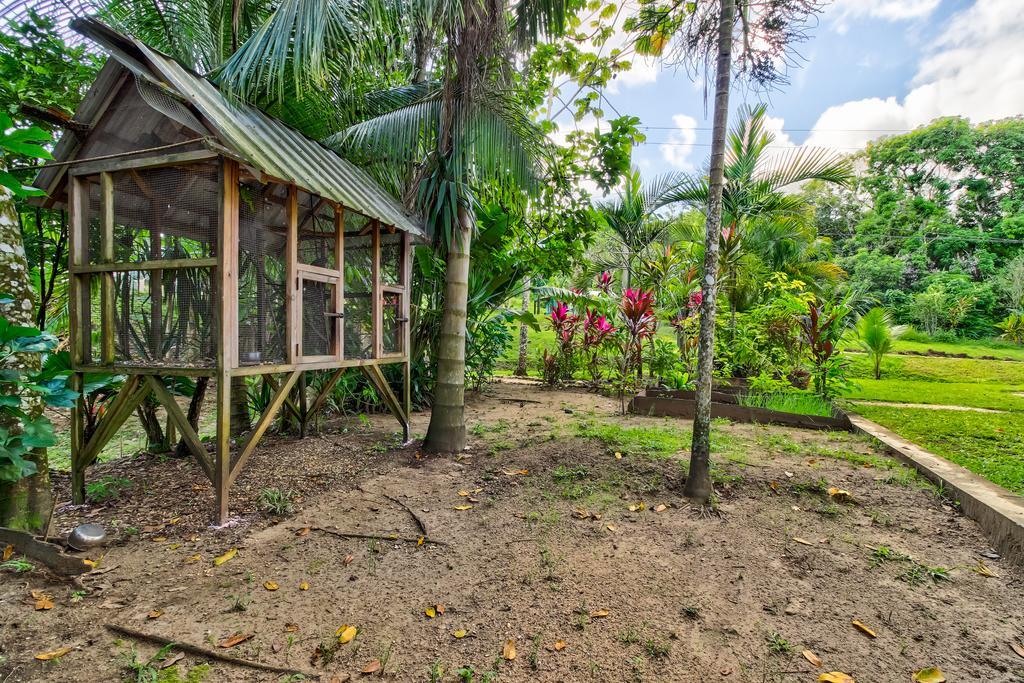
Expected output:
(303, 408)
(407, 400)
(77, 441)
(222, 456)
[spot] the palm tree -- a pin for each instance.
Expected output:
(876, 334)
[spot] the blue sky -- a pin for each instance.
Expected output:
(872, 67)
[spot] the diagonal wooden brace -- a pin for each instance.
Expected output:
(264, 423)
(188, 435)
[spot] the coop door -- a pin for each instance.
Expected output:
(319, 300)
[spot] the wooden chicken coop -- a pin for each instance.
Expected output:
(209, 239)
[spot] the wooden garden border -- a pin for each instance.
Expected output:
(686, 408)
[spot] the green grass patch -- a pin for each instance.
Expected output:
(799, 403)
(974, 348)
(971, 394)
(648, 440)
(988, 444)
(933, 369)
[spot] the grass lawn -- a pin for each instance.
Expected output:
(973, 348)
(972, 394)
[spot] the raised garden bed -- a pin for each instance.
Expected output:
(725, 403)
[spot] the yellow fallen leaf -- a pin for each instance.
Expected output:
(8, 551)
(632, 508)
(193, 558)
(270, 585)
(463, 507)
(860, 626)
(814, 659)
(513, 473)
(159, 539)
(930, 675)
(835, 677)
(509, 651)
(291, 628)
(43, 601)
(372, 667)
(463, 493)
(582, 514)
(559, 645)
(91, 564)
(155, 614)
(174, 521)
(661, 507)
(461, 633)
(346, 633)
(430, 612)
(801, 541)
(618, 455)
(225, 557)
(304, 586)
(610, 527)
(1017, 647)
(420, 540)
(840, 495)
(47, 656)
(982, 568)
(598, 614)
(235, 639)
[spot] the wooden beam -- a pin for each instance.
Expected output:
(126, 369)
(325, 391)
(113, 417)
(169, 264)
(376, 307)
(339, 290)
(376, 377)
(78, 307)
(227, 330)
(107, 279)
(174, 412)
(263, 424)
(291, 256)
(122, 164)
(269, 379)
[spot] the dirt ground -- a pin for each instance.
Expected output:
(548, 555)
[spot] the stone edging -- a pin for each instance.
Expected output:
(999, 512)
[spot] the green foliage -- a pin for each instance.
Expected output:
(1012, 328)
(876, 336)
(800, 403)
(106, 488)
(276, 501)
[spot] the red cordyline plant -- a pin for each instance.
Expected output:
(566, 324)
(596, 331)
(639, 322)
(604, 282)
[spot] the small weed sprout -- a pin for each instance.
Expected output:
(275, 501)
(884, 553)
(106, 488)
(917, 574)
(778, 645)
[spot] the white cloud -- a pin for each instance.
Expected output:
(845, 11)
(680, 141)
(975, 69)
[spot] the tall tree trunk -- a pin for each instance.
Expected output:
(24, 504)
(698, 481)
(524, 332)
(195, 409)
(447, 430)
(240, 421)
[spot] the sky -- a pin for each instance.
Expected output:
(871, 68)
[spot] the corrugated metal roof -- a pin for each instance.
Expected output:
(263, 141)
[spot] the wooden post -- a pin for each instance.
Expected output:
(339, 291)
(78, 309)
(303, 407)
(227, 330)
(376, 301)
(292, 313)
(407, 251)
(107, 279)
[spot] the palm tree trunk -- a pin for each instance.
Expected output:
(25, 503)
(698, 481)
(524, 338)
(447, 430)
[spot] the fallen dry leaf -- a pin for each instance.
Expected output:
(43, 601)
(304, 586)
(159, 539)
(172, 660)
(835, 677)
(463, 493)
(420, 540)
(982, 568)
(609, 527)
(461, 633)
(47, 656)
(463, 507)
(372, 668)
(193, 558)
(513, 473)
(218, 561)
(860, 626)
(155, 614)
(270, 585)
(304, 531)
(439, 608)
(291, 628)
(559, 645)
(840, 495)
(660, 507)
(1017, 647)
(8, 551)
(348, 560)
(346, 633)
(814, 659)
(932, 674)
(618, 455)
(112, 604)
(509, 651)
(430, 612)
(598, 613)
(235, 639)
(581, 513)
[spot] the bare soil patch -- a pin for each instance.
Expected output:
(548, 553)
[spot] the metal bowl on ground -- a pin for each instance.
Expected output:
(86, 536)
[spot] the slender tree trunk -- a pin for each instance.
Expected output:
(698, 481)
(24, 504)
(195, 409)
(240, 422)
(447, 430)
(524, 338)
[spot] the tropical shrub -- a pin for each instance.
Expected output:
(876, 335)
(1012, 328)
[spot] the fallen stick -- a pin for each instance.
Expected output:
(419, 522)
(373, 537)
(207, 653)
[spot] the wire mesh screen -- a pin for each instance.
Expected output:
(317, 239)
(164, 318)
(131, 124)
(391, 271)
(358, 286)
(262, 276)
(392, 323)
(318, 329)
(163, 213)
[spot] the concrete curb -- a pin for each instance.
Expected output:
(999, 512)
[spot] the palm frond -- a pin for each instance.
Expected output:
(807, 163)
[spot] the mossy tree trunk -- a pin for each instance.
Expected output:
(24, 504)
